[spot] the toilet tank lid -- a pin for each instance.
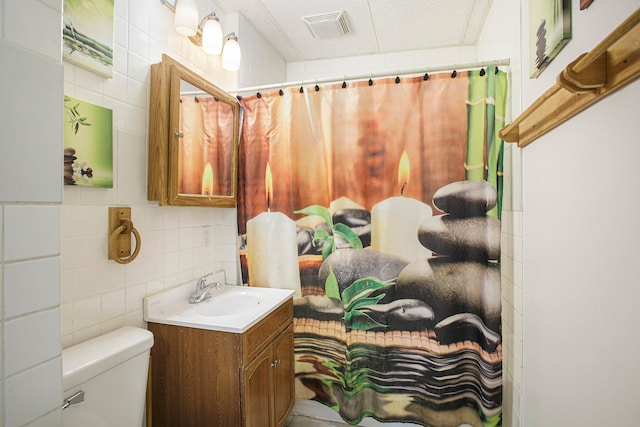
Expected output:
(87, 359)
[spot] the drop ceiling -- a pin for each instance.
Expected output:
(375, 26)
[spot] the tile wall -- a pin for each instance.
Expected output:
(30, 193)
(57, 287)
(178, 244)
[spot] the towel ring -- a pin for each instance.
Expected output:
(126, 227)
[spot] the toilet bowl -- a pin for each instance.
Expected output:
(105, 379)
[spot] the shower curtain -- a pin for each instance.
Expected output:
(206, 146)
(389, 191)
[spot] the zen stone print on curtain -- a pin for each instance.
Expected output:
(379, 203)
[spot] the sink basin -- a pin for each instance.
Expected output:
(230, 308)
(229, 301)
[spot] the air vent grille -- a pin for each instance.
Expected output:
(327, 25)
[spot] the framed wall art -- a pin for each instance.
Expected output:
(549, 32)
(88, 144)
(585, 4)
(88, 34)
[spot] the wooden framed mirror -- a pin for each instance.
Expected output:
(193, 139)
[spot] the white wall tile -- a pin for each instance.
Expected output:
(32, 393)
(137, 94)
(86, 282)
(90, 85)
(137, 121)
(139, 69)
(135, 272)
(53, 418)
(138, 42)
(132, 153)
(38, 281)
(134, 297)
(116, 88)
(95, 196)
(89, 251)
(66, 319)
(42, 34)
(24, 77)
(121, 35)
(1, 235)
(31, 340)
(112, 275)
(82, 335)
(31, 231)
(113, 305)
(86, 313)
(119, 112)
(139, 15)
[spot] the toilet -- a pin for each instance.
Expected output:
(105, 379)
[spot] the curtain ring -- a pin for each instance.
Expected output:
(125, 227)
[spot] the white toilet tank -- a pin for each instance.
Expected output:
(112, 371)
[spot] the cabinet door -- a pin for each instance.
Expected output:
(283, 373)
(256, 396)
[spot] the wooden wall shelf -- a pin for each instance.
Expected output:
(611, 65)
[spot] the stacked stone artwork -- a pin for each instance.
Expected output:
(463, 280)
(69, 158)
(424, 334)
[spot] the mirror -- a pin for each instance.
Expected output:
(193, 139)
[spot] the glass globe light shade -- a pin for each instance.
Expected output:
(186, 17)
(231, 54)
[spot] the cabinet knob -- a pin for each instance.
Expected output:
(179, 134)
(276, 363)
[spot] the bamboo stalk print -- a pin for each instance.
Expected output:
(493, 149)
(90, 47)
(500, 96)
(474, 163)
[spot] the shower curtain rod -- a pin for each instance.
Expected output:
(497, 62)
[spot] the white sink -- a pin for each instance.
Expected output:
(230, 308)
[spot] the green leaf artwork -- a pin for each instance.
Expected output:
(88, 144)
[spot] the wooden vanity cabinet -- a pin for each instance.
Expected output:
(267, 384)
(201, 377)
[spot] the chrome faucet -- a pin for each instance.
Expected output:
(203, 290)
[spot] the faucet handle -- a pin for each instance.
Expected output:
(202, 281)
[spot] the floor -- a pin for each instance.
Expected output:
(296, 420)
(308, 413)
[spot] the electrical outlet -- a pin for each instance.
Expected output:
(205, 236)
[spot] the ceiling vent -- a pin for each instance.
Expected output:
(327, 25)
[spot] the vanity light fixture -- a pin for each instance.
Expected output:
(207, 34)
